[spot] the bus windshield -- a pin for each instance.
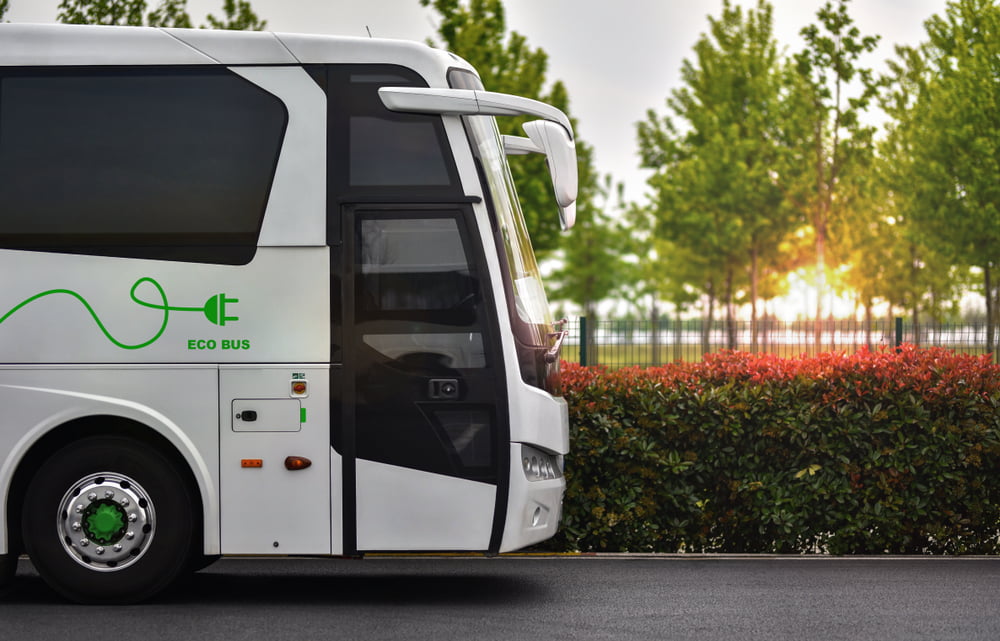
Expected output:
(529, 294)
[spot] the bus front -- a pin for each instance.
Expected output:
(538, 416)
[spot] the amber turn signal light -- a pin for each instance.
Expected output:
(294, 463)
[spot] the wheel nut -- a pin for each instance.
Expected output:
(92, 496)
(132, 517)
(78, 509)
(117, 547)
(109, 494)
(76, 526)
(99, 549)
(124, 502)
(130, 535)
(84, 543)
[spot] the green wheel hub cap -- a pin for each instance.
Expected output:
(104, 522)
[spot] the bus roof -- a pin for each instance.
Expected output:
(33, 45)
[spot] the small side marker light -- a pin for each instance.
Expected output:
(294, 463)
(252, 462)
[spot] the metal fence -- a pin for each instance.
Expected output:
(622, 343)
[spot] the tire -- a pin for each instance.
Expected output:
(8, 565)
(201, 561)
(108, 519)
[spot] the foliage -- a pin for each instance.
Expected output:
(946, 105)
(592, 267)
(715, 156)
(837, 146)
(881, 452)
(106, 12)
(4, 6)
(169, 13)
(239, 16)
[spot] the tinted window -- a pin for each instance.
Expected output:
(145, 163)
(425, 391)
(387, 152)
(376, 152)
(415, 266)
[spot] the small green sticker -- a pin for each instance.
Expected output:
(302, 415)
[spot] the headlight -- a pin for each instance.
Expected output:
(538, 465)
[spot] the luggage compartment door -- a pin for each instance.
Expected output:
(269, 414)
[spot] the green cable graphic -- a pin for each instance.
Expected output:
(214, 310)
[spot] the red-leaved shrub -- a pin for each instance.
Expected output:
(890, 451)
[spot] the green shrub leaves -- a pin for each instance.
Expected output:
(895, 451)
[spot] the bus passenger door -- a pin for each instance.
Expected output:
(427, 406)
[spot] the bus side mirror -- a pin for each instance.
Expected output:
(560, 151)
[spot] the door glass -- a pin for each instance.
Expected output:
(416, 267)
(425, 387)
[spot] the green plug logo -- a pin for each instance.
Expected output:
(215, 309)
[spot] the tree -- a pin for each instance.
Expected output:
(477, 31)
(239, 16)
(106, 12)
(169, 13)
(913, 271)
(657, 270)
(714, 187)
(4, 6)
(826, 66)
(948, 109)
(592, 267)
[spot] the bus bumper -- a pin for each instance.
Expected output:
(534, 507)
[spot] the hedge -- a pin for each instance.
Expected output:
(894, 451)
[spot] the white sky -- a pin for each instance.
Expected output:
(617, 58)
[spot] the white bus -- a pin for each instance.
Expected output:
(266, 294)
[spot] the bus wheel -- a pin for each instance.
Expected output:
(8, 565)
(108, 519)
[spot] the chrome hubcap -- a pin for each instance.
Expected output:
(105, 521)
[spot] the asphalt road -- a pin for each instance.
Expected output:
(794, 598)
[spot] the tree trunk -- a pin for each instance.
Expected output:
(654, 328)
(730, 312)
(988, 284)
(706, 326)
(819, 226)
(868, 324)
(678, 328)
(593, 357)
(914, 278)
(753, 299)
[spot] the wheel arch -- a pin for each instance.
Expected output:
(163, 436)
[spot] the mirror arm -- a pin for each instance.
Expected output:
(517, 145)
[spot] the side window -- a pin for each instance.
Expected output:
(148, 163)
(379, 153)
(387, 152)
